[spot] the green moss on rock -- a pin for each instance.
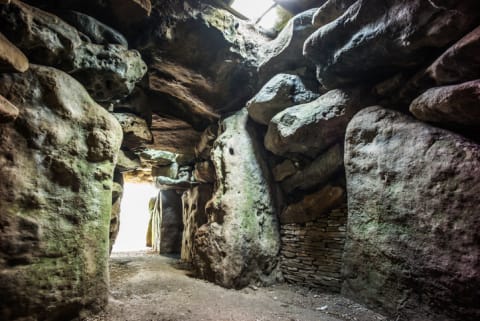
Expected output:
(240, 243)
(55, 192)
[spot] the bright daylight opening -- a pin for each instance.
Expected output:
(254, 9)
(134, 217)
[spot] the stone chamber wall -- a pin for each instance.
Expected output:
(342, 154)
(312, 251)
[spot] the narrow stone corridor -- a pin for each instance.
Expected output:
(239, 160)
(158, 288)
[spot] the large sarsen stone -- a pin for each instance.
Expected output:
(280, 92)
(57, 162)
(312, 127)
(412, 247)
(240, 242)
(372, 40)
(108, 72)
(459, 104)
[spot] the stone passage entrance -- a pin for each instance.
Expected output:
(134, 217)
(148, 218)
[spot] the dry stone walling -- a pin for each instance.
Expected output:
(342, 155)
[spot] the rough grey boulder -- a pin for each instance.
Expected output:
(284, 169)
(175, 136)
(127, 162)
(280, 92)
(240, 243)
(108, 72)
(312, 127)
(57, 162)
(458, 104)
(186, 89)
(459, 63)
(44, 37)
(96, 31)
(154, 157)
(168, 171)
(200, 75)
(412, 247)
(135, 130)
(373, 40)
(284, 53)
(318, 172)
(330, 10)
(11, 58)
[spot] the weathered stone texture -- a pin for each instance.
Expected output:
(174, 135)
(412, 244)
(371, 41)
(194, 215)
(313, 206)
(186, 92)
(205, 144)
(284, 169)
(57, 162)
(312, 127)
(94, 30)
(8, 112)
(44, 37)
(204, 172)
(136, 133)
(458, 104)
(318, 172)
(108, 72)
(240, 243)
(284, 53)
(200, 75)
(458, 64)
(280, 92)
(330, 10)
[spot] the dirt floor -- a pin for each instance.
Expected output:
(147, 287)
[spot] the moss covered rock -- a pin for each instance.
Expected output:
(240, 242)
(412, 247)
(109, 72)
(57, 161)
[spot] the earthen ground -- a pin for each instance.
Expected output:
(148, 287)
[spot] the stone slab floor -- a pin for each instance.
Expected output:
(147, 287)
